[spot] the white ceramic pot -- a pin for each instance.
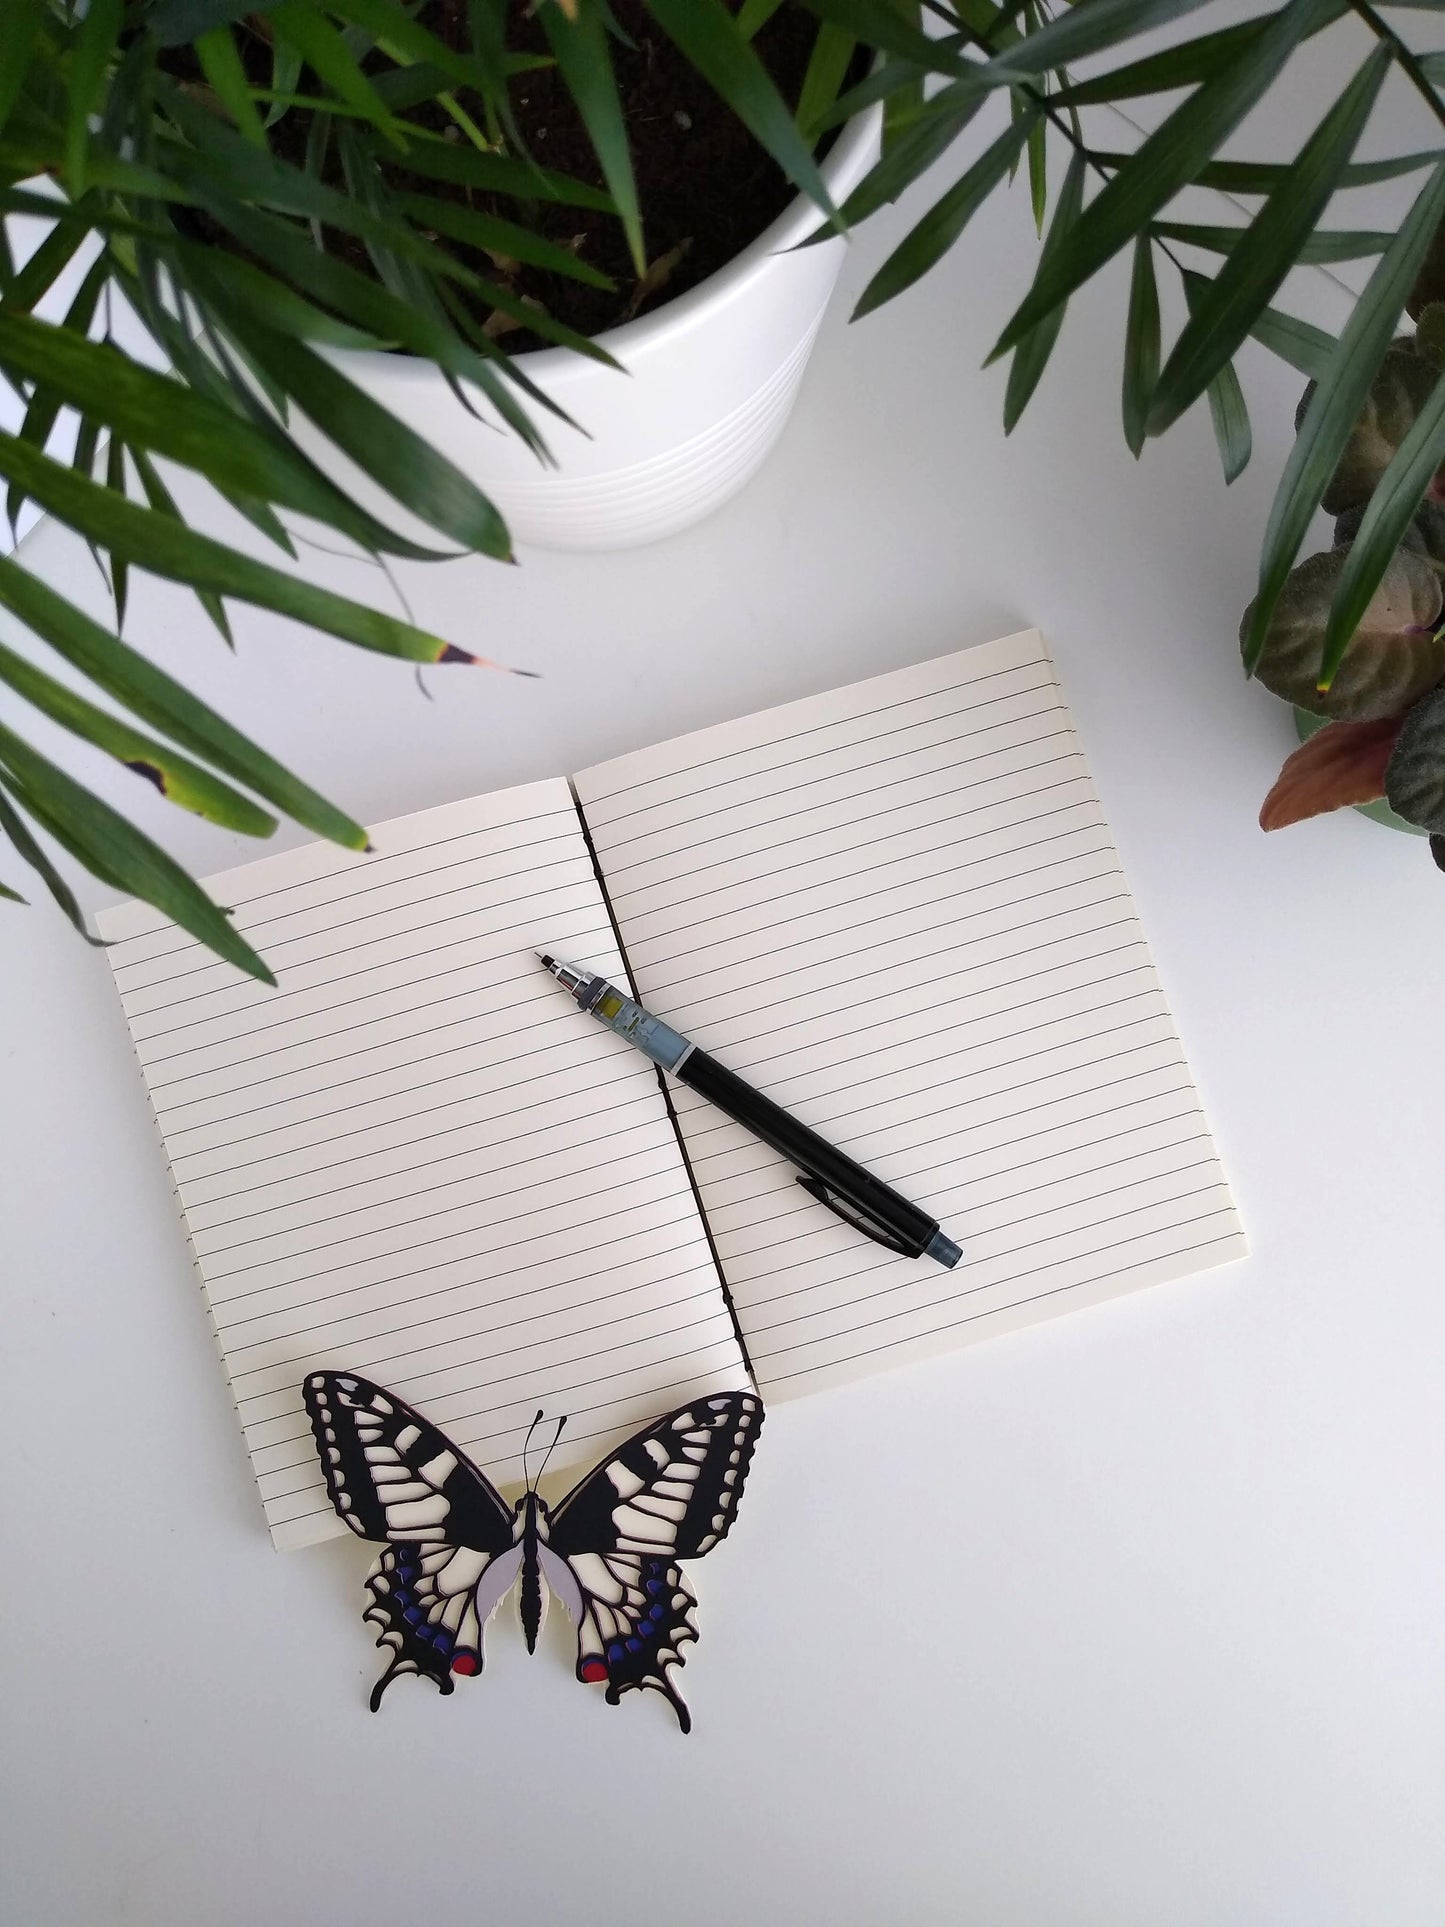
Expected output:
(710, 379)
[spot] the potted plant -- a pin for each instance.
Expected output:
(293, 199)
(694, 371)
(1365, 670)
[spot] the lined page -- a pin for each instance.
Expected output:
(415, 1159)
(897, 910)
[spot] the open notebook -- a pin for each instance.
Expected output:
(896, 908)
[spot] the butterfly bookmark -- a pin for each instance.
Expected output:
(453, 1549)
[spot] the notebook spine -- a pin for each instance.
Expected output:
(666, 1093)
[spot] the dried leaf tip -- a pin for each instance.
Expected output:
(451, 653)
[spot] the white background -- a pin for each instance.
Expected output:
(1136, 1618)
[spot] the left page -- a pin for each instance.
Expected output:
(415, 1159)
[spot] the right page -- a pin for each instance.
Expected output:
(897, 909)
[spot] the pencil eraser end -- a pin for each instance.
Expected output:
(943, 1249)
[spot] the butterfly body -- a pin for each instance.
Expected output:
(454, 1549)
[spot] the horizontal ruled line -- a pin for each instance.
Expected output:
(638, 944)
(994, 1284)
(378, 1231)
(831, 908)
(294, 1361)
(404, 1384)
(628, 1210)
(352, 949)
(371, 866)
(798, 736)
(1055, 1291)
(1002, 776)
(792, 762)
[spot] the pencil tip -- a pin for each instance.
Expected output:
(545, 961)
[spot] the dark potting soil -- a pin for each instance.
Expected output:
(705, 186)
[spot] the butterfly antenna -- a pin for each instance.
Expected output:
(551, 1448)
(525, 1443)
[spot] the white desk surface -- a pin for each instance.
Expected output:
(1135, 1618)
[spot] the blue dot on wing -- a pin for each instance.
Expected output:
(634, 1645)
(614, 1651)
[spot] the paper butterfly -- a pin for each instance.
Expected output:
(455, 1548)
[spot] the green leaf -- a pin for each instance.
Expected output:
(285, 77)
(14, 826)
(405, 40)
(1383, 527)
(1225, 308)
(1415, 777)
(1082, 31)
(22, 26)
(501, 174)
(176, 777)
(44, 407)
(706, 33)
(93, 45)
(1032, 354)
(1227, 411)
(148, 692)
(753, 15)
(1342, 389)
(495, 236)
(364, 301)
(49, 261)
(1263, 177)
(1393, 657)
(225, 174)
(116, 852)
(1141, 345)
(119, 566)
(394, 455)
(1038, 173)
(826, 71)
(582, 55)
(1316, 249)
(1163, 164)
(929, 136)
(170, 419)
(1300, 343)
(326, 53)
(880, 24)
(222, 67)
(271, 301)
(161, 499)
(153, 542)
(1189, 64)
(173, 22)
(944, 222)
(10, 896)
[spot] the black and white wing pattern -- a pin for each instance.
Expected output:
(670, 1493)
(450, 1557)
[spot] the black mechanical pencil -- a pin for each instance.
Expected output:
(854, 1194)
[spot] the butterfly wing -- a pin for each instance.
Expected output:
(449, 1559)
(670, 1493)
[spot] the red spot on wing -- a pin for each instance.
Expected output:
(466, 1664)
(593, 1670)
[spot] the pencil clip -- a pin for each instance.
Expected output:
(816, 1188)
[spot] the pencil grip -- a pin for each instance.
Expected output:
(875, 1207)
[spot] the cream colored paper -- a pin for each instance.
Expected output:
(897, 909)
(415, 1159)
